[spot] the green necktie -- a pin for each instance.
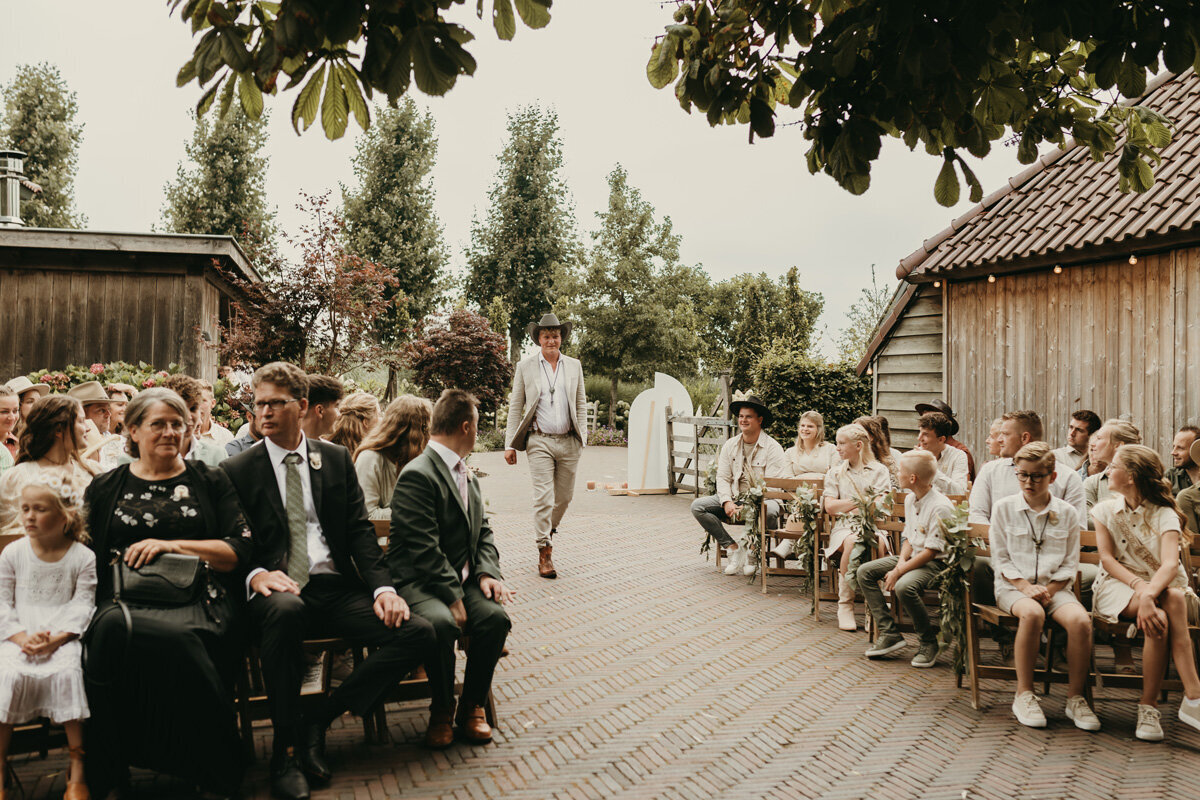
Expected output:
(297, 522)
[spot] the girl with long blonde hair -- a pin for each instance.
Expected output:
(400, 436)
(358, 414)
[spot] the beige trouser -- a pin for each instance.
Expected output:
(552, 464)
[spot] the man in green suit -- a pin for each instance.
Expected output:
(445, 565)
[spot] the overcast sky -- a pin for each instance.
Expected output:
(739, 207)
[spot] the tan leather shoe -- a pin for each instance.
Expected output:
(473, 726)
(545, 565)
(76, 791)
(440, 733)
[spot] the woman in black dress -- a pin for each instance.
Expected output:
(162, 694)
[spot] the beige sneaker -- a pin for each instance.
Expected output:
(1081, 714)
(737, 560)
(1189, 712)
(1149, 727)
(1028, 711)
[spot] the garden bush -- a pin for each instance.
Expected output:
(791, 383)
(605, 436)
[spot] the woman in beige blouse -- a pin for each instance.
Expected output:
(811, 453)
(399, 437)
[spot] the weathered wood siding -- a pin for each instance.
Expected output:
(56, 315)
(908, 368)
(1112, 337)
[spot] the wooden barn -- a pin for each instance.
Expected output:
(1056, 293)
(78, 297)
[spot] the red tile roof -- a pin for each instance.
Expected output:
(1066, 204)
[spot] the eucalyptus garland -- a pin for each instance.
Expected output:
(954, 582)
(805, 509)
(864, 522)
(750, 502)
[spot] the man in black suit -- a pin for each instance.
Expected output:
(445, 563)
(317, 571)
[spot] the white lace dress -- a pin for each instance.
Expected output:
(36, 595)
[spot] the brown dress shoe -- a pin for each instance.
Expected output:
(545, 565)
(440, 733)
(473, 726)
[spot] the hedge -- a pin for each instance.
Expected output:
(791, 383)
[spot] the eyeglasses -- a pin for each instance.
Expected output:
(1032, 477)
(274, 405)
(174, 426)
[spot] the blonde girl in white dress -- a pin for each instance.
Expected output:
(1141, 578)
(855, 477)
(811, 455)
(47, 596)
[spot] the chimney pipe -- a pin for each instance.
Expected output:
(14, 187)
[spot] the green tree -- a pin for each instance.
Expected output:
(39, 120)
(864, 318)
(345, 49)
(632, 321)
(948, 75)
(221, 190)
(528, 235)
(390, 218)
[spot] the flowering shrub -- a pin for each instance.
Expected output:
(606, 437)
(141, 375)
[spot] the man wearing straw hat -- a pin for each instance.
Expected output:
(97, 408)
(28, 392)
(547, 415)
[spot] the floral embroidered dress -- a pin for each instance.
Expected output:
(37, 595)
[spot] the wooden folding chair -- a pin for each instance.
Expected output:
(781, 489)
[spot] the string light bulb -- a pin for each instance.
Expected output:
(937, 284)
(1133, 258)
(1058, 269)
(870, 371)
(991, 278)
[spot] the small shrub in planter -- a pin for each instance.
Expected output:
(606, 437)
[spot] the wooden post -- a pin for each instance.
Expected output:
(696, 455)
(670, 453)
(646, 453)
(726, 395)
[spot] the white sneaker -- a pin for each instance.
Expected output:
(737, 560)
(1081, 713)
(1149, 727)
(783, 549)
(751, 565)
(1189, 712)
(1028, 711)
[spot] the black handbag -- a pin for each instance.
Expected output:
(169, 581)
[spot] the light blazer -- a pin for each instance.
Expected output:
(433, 537)
(528, 381)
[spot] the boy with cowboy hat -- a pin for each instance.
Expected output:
(747, 458)
(547, 418)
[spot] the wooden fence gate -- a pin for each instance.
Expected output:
(705, 431)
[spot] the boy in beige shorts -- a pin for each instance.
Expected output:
(1035, 554)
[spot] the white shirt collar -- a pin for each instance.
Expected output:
(1026, 507)
(446, 454)
(277, 453)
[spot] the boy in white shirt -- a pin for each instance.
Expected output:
(919, 562)
(1034, 539)
(933, 432)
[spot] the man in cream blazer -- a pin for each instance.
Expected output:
(547, 418)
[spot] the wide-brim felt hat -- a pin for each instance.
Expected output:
(942, 407)
(752, 401)
(21, 385)
(1194, 451)
(534, 329)
(90, 393)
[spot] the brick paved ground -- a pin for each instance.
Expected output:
(643, 673)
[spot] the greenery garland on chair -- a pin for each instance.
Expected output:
(750, 502)
(864, 522)
(954, 582)
(804, 508)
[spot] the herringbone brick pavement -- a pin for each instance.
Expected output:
(643, 673)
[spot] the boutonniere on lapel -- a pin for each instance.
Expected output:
(1052, 517)
(314, 459)
(181, 493)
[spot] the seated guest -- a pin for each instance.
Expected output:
(933, 432)
(811, 454)
(397, 440)
(745, 459)
(28, 393)
(1141, 578)
(1189, 499)
(316, 571)
(919, 562)
(1074, 455)
(160, 680)
(49, 449)
(209, 430)
(942, 407)
(858, 474)
(1034, 538)
(97, 408)
(443, 558)
(191, 447)
(120, 394)
(993, 439)
(1185, 472)
(242, 402)
(1101, 449)
(886, 428)
(325, 395)
(358, 413)
(881, 446)
(10, 415)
